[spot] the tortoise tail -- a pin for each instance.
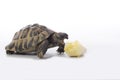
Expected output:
(10, 46)
(6, 47)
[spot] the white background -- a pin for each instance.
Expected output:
(95, 23)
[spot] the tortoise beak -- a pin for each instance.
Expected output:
(66, 37)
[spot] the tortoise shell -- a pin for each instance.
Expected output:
(28, 37)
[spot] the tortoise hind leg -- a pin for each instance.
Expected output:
(9, 52)
(42, 48)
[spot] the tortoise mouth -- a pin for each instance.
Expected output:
(66, 37)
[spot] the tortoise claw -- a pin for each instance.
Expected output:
(60, 50)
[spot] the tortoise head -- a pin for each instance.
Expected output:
(60, 38)
(62, 35)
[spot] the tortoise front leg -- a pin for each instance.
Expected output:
(42, 48)
(61, 49)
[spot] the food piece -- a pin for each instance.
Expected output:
(74, 49)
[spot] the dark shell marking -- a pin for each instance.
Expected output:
(30, 44)
(25, 44)
(25, 32)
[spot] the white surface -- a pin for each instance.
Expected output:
(96, 24)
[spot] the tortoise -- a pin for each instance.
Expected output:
(36, 39)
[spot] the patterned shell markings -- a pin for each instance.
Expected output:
(29, 37)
